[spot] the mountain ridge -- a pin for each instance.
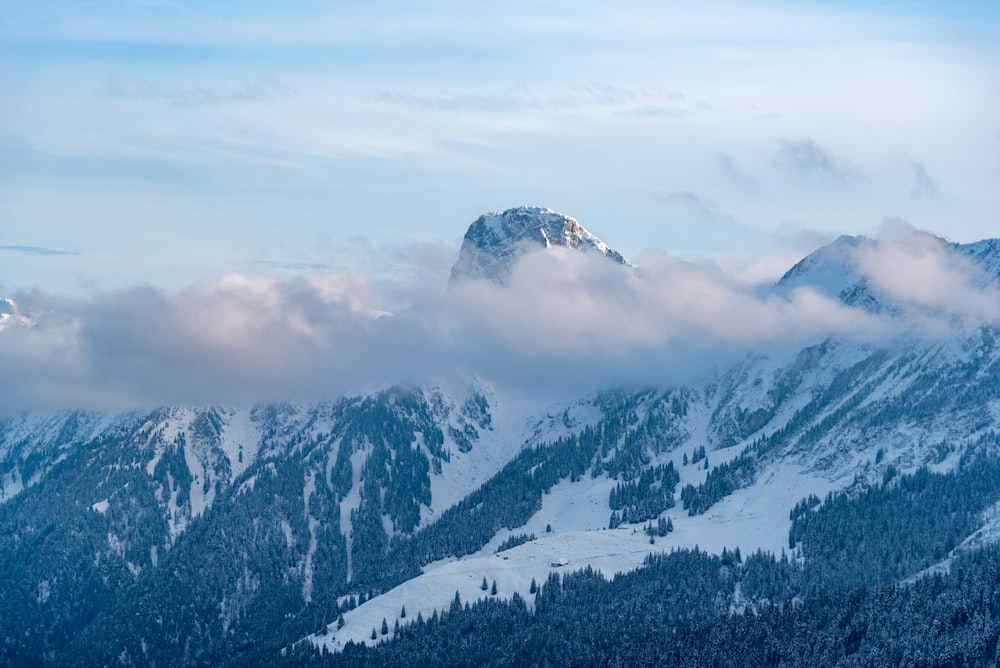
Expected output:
(235, 527)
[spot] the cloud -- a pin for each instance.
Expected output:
(293, 265)
(549, 98)
(35, 251)
(806, 159)
(732, 170)
(566, 322)
(658, 111)
(701, 207)
(922, 271)
(923, 184)
(260, 91)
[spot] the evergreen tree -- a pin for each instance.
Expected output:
(340, 621)
(385, 627)
(534, 586)
(493, 591)
(402, 613)
(484, 586)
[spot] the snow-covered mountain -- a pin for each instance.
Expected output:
(495, 240)
(842, 269)
(232, 532)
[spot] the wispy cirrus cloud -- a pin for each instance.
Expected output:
(523, 97)
(122, 87)
(36, 251)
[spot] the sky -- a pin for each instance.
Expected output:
(317, 160)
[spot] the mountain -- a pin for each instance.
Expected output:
(495, 240)
(836, 270)
(261, 534)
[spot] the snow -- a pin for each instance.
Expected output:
(517, 422)
(495, 240)
(307, 568)
(352, 501)
(831, 270)
(101, 506)
(240, 434)
(570, 507)
(987, 534)
(286, 529)
(513, 570)
(11, 485)
(752, 518)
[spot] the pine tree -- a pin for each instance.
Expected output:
(340, 621)
(385, 627)
(402, 613)
(493, 591)
(534, 587)
(484, 586)
(374, 634)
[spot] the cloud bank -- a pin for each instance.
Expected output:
(565, 321)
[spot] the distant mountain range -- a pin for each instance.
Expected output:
(224, 535)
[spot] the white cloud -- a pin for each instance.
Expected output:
(922, 271)
(565, 321)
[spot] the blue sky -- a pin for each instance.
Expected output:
(165, 143)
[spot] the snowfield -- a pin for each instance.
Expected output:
(752, 518)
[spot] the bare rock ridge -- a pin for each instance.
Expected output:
(495, 240)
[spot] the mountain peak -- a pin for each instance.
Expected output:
(837, 269)
(833, 270)
(495, 240)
